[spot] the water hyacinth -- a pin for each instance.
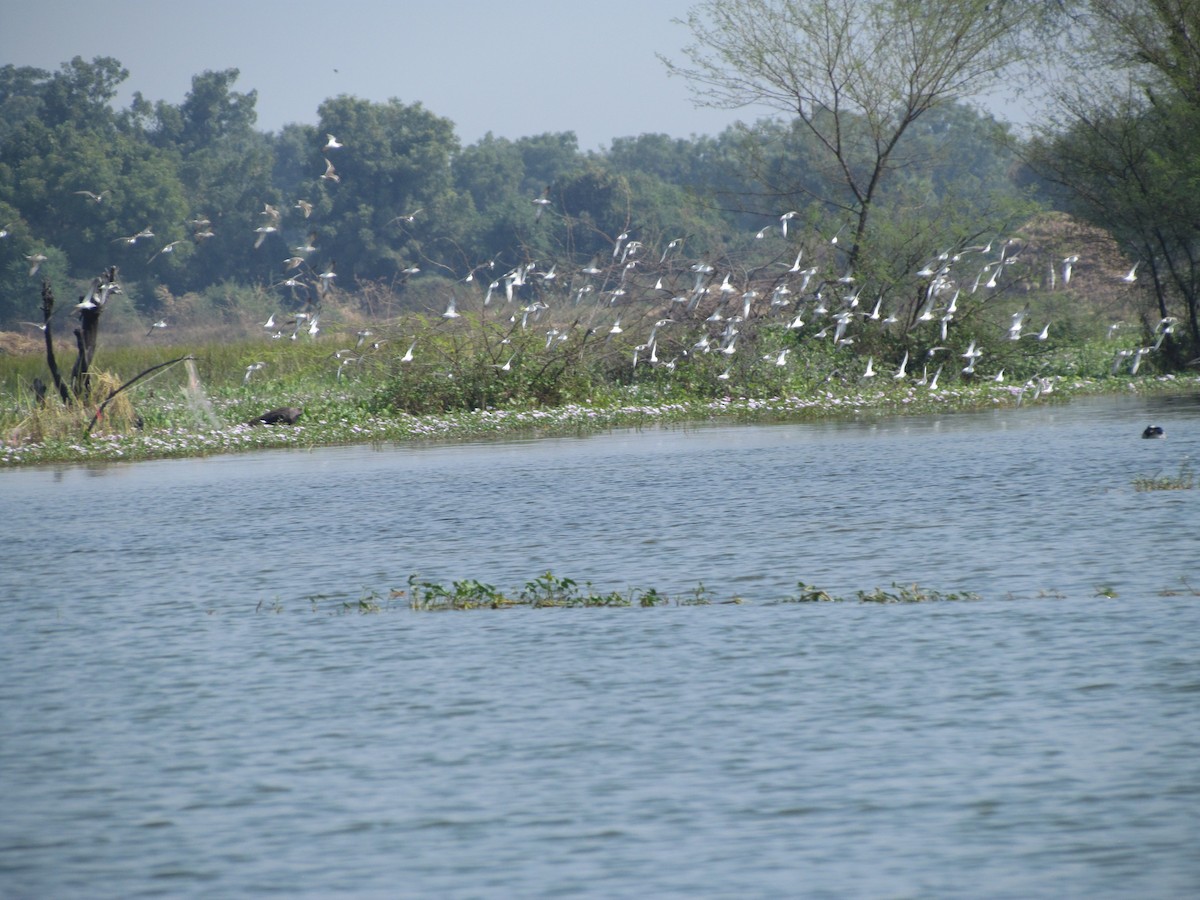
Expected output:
(552, 591)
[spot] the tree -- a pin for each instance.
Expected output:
(225, 167)
(21, 91)
(80, 92)
(1123, 150)
(490, 171)
(397, 162)
(855, 74)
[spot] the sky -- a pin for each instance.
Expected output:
(516, 68)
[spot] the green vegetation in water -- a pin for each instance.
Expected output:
(552, 591)
(1183, 480)
(547, 590)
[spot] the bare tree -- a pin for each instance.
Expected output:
(855, 73)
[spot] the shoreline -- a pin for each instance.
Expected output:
(325, 431)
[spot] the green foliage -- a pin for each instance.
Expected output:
(912, 593)
(549, 590)
(489, 365)
(899, 593)
(408, 196)
(465, 594)
(396, 160)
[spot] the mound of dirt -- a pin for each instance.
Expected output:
(16, 344)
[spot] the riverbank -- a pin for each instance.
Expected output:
(329, 420)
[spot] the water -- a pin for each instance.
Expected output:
(162, 737)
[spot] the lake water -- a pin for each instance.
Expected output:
(184, 710)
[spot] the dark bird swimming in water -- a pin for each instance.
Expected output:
(1153, 431)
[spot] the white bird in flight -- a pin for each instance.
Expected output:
(166, 248)
(407, 217)
(327, 277)
(262, 231)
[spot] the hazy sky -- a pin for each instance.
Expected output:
(515, 68)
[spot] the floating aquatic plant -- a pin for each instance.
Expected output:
(913, 593)
(549, 590)
(1183, 480)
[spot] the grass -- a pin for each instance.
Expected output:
(479, 377)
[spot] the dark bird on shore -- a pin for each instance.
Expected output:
(284, 415)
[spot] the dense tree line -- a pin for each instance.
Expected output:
(192, 199)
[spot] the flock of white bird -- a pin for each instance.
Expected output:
(694, 308)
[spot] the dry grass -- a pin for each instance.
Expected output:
(13, 343)
(52, 420)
